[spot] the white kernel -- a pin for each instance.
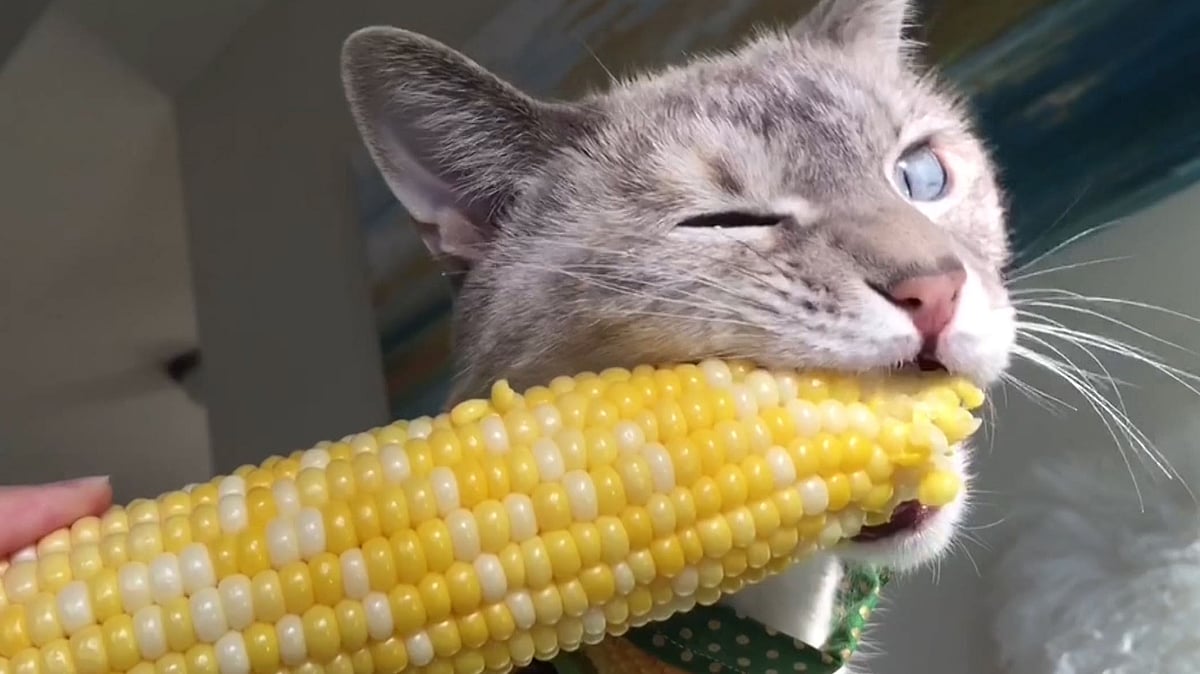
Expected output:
(237, 601)
(445, 489)
(355, 581)
(166, 579)
(782, 467)
(287, 497)
(495, 435)
(149, 632)
(420, 649)
(420, 428)
(283, 546)
(764, 387)
(208, 615)
(231, 654)
(232, 513)
(520, 604)
(25, 554)
(686, 583)
(521, 517)
(744, 402)
(75, 607)
(232, 485)
(581, 494)
(833, 416)
(789, 387)
(862, 420)
(814, 495)
(363, 442)
(716, 373)
(549, 459)
(806, 417)
(310, 533)
(595, 626)
(464, 534)
(492, 580)
(662, 471)
(548, 418)
(317, 458)
(293, 649)
(380, 623)
(195, 568)
(134, 581)
(625, 580)
(396, 468)
(630, 436)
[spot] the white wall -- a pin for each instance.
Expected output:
(96, 288)
(943, 628)
(290, 348)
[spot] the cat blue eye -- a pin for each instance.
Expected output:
(921, 176)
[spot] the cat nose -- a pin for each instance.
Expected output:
(930, 300)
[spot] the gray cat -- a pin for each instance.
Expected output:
(811, 199)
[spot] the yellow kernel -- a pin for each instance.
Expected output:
(262, 648)
(551, 506)
(120, 643)
(939, 488)
(686, 460)
(734, 439)
(267, 597)
(392, 510)
(435, 596)
(599, 584)
(177, 624)
(445, 638)
(321, 633)
(636, 476)
(340, 535)
(104, 593)
(668, 556)
(564, 556)
(465, 591)
(879, 497)
(538, 570)
(176, 534)
(766, 518)
(340, 451)
(760, 480)
(662, 515)
(610, 492)
(296, 584)
(313, 487)
(201, 659)
(602, 413)
(587, 541)
(408, 611)
(494, 529)
(472, 482)
(495, 471)
(575, 601)
(389, 656)
(715, 536)
(205, 524)
(640, 602)
(602, 447)
(260, 506)
(671, 422)
(860, 485)
(879, 468)
(614, 540)
(780, 423)
(732, 484)
(838, 487)
(381, 566)
(252, 553)
(638, 527)
(325, 570)
(573, 407)
(697, 409)
(87, 651)
(538, 395)
(522, 470)
(548, 605)
(813, 388)
(43, 623)
(437, 544)
(499, 622)
(53, 571)
(352, 625)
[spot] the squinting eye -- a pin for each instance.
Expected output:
(731, 219)
(920, 175)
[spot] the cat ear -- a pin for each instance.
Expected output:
(869, 25)
(452, 140)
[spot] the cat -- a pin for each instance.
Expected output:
(811, 198)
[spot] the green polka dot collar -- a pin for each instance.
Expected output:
(716, 640)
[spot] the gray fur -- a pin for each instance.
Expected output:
(562, 215)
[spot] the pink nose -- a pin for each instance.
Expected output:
(929, 300)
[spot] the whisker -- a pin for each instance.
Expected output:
(1066, 267)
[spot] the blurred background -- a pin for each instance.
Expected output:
(199, 268)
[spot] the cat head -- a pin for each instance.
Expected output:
(809, 199)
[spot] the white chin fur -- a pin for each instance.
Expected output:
(980, 337)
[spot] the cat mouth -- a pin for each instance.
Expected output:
(909, 516)
(923, 363)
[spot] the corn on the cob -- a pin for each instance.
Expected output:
(479, 540)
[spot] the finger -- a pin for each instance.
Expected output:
(29, 513)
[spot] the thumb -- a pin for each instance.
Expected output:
(29, 513)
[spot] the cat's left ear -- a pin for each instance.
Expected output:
(874, 27)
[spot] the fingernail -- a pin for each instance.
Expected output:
(94, 481)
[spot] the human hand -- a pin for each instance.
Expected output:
(27, 513)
